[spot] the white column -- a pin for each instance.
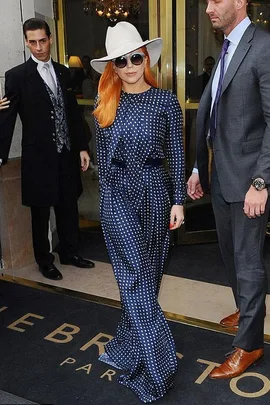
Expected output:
(11, 51)
(44, 7)
(13, 14)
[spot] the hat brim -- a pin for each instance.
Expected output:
(153, 46)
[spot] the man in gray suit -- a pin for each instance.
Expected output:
(233, 121)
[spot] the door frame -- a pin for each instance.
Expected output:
(167, 19)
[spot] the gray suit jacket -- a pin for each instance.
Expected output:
(242, 142)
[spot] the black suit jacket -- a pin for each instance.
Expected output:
(40, 160)
(198, 85)
(79, 76)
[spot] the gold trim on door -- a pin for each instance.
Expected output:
(61, 37)
(166, 33)
(161, 24)
(181, 52)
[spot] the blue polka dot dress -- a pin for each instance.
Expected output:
(135, 204)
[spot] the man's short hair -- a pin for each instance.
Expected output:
(209, 58)
(34, 24)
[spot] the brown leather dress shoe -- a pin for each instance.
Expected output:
(231, 320)
(237, 363)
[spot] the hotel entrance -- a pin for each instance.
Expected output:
(191, 48)
(66, 323)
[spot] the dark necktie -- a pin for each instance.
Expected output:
(213, 118)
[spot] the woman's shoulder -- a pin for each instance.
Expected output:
(165, 98)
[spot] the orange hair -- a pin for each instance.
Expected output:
(109, 92)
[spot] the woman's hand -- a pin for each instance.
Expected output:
(177, 217)
(4, 103)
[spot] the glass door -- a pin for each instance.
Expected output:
(201, 48)
(191, 47)
(81, 37)
(197, 48)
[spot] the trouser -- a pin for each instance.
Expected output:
(66, 214)
(241, 243)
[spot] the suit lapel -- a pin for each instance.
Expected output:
(59, 74)
(60, 77)
(238, 56)
(36, 81)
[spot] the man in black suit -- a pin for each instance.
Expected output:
(4, 103)
(53, 147)
(81, 74)
(203, 79)
(199, 84)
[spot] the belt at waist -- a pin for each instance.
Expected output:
(150, 162)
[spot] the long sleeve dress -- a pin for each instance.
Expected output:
(135, 204)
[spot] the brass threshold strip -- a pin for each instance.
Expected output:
(199, 323)
(60, 290)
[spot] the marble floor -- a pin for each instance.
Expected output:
(194, 302)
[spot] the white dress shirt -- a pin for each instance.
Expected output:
(41, 71)
(234, 37)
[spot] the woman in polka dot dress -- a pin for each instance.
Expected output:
(138, 126)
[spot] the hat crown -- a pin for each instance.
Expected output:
(119, 36)
(123, 39)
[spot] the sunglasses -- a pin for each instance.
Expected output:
(135, 58)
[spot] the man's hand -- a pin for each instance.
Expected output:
(194, 188)
(85, 160)
(255, 201)
(177, 217)
(4, 103)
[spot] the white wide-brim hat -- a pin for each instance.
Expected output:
(122, 39)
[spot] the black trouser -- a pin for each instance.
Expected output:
(66, 214)
(241, 243)
(67, 228)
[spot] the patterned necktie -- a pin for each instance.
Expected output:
(49, 78)
(213, 118)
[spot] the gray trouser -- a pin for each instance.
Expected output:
(241, 243)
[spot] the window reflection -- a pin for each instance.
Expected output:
(259, 13)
